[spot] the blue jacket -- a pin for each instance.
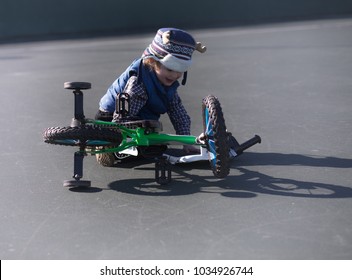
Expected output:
(158, 95)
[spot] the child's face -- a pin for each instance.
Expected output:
(166, 76)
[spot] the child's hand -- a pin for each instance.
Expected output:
(189, 149)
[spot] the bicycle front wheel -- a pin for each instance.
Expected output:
(216, 136)
(85, 135)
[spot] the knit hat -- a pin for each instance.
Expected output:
(173, 48)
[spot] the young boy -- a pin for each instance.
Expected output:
(152, 81)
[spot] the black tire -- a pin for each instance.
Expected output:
(86, 135)
(216, 136)
(77, 85)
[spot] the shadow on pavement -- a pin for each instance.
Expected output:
(295, 160)
(247, 183)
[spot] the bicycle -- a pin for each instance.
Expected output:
(131, 136)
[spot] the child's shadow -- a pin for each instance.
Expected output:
(248, 183)
(251, 158)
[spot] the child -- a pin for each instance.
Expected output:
(151, 83)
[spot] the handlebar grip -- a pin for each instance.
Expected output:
(255, 140)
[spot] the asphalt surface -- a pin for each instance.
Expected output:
(288, 198)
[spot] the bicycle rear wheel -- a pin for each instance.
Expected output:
(85, 135)
(216, 136)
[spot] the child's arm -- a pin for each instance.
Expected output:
(179, 116)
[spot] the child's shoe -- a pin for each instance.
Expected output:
(105, 159)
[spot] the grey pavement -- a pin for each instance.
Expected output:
(288, 198)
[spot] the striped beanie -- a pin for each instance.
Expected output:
(173, 48)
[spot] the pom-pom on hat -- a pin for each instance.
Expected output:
(173, 48)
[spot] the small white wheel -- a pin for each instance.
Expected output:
(77, 85)
(76, 183)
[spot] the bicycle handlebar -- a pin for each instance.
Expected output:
(249, 143)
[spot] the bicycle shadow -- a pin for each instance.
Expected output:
(248, 183)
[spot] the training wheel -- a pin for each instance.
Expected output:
(76, 183)
(77, 85)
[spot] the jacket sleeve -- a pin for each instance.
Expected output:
(179, 116)
(107, 102)
(138, 95)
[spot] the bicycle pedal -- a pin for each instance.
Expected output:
(162, 171)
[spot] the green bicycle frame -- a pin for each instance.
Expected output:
(142, 137)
